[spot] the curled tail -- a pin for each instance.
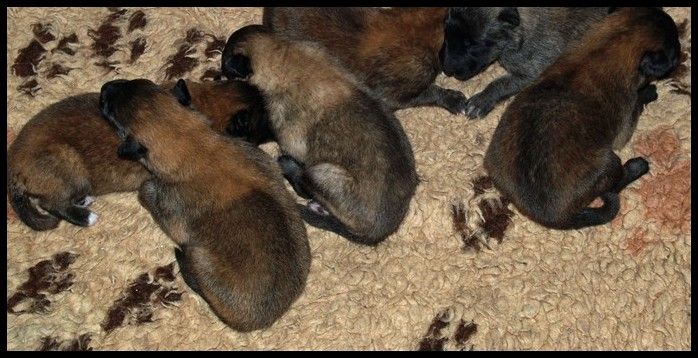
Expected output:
(28, 213)
(597, 216)
(331, 223)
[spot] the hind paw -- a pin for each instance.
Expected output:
(85, 201)
(317, 208)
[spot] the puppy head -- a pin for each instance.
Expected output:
(474, 38)
(138, 110)
(665, 53)
(236, 54)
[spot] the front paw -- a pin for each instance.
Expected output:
(479, 106)
(454, 101)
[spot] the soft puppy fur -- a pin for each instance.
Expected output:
(393, 52)
(66, 154)
(242, 244)
(552, 152)
(341, 148)
(525, 41)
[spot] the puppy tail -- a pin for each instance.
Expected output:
(597, 216)
(28, 213)
(331, 223)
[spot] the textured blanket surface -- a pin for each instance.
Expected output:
(465, 270)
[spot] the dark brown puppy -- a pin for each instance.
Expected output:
(243, 246)
(393, 52)
(67, 153)
(342, 149)
(552, 152)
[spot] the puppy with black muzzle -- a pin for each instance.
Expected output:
(393, 52)
(552, 152)
(341, 148)
(242, 244)
(525, 41)
(66, 154)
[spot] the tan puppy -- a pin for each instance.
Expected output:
(342, 149)
(552, 152)
(66, 154)
(243, 245)
(393, 52)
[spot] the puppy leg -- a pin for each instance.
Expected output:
(453, 101)
(645, 95)
(500, 89)
(75, 215)
(165, 206)
(293, 172)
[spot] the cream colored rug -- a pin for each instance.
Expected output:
(461, 273)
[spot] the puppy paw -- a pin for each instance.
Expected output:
(479, 106)
(85, 201)
(317, 208)
(454, 101)
(92, 219)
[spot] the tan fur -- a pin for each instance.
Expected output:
(339, 143)
(243, 245)
(552, 152)
(67, 150)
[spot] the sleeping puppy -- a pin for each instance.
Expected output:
(66, 154)
(524, 40)
(552, 152)
(393, 52)
(341, 148)
(242, 244)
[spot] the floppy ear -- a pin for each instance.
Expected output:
(237, 66)
(510, 15)
(181, 92)
(130, 149)
(656, 64)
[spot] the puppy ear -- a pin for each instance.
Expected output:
(181, 92)
(510, 15)
(130, 149)
(237, 66)
(656, 64)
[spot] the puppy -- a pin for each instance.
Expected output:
(524, 40)
(552, 152)
(66, 154)
(242, 244)
(393, 52)
(342, 149)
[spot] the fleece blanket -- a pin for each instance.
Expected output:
(465, 271)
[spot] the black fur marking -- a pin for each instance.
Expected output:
(181, 92)
(130, 149)
(237, 66)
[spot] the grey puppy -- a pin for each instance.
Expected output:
(342, 148)
(525, 41)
